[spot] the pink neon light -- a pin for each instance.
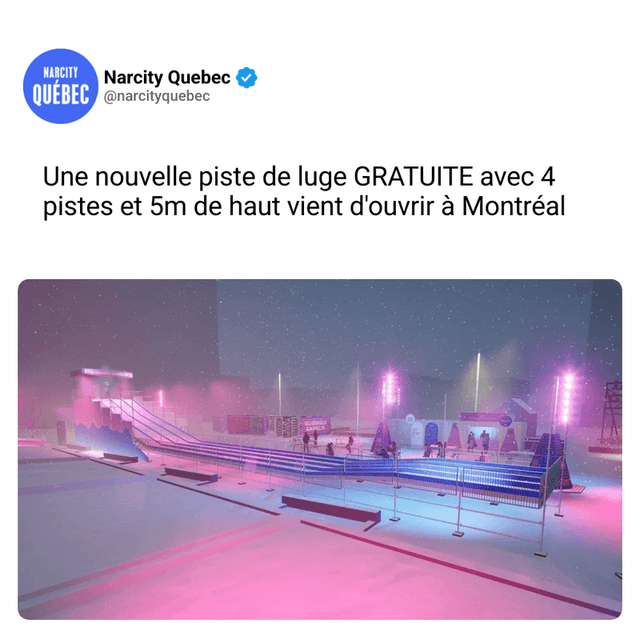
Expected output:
(567, 393)
(390, 390)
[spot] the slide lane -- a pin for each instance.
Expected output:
(522, 484)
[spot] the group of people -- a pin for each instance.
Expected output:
(442, 450)
(484, 440)
(471, 445)
(391, 452)
(329, 448)
(306, 439)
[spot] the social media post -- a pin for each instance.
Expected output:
(282, 418)
(325, 300)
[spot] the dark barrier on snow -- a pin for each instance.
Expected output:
(192, 475)
(120, 458)
(349, 513)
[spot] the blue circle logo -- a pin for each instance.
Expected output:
(60, 86)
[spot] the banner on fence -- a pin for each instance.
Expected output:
(320, 424)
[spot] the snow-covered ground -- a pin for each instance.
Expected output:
(96, 542)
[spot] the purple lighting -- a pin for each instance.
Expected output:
(390, 390)
(567, 397)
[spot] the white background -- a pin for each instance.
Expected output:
(496, 85)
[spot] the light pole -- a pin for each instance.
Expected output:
(477, 382)
(566, 406)
(358, 399)
(279, 393)
(546, 475)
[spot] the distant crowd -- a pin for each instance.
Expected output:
(472, 444)
(392, 450)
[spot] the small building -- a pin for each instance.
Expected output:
(520, 411)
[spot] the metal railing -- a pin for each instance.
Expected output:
(400, 488)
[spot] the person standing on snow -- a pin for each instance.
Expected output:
(305, 440)
(349, 444)
(484, 438)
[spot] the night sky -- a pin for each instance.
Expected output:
(159, 330)
(313, 331)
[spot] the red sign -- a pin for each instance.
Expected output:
(482, 417)
(102, 373)
(315, 423)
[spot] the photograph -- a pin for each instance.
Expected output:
(444, 449)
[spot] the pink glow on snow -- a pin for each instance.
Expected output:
(358, 581)
(267, 569)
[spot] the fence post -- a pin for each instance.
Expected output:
(546, 475)
(196, 458)
(543, 491)
(241, 470)
(395, 517)
(302, 471)
(457, 533)
(343, 479)
(269, 468)
(563, 463)
(396, 464)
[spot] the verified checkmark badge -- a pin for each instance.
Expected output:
(246, 77)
